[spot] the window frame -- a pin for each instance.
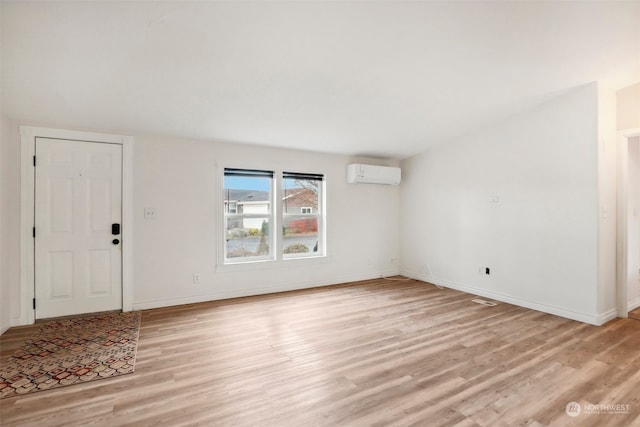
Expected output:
(319, 215)
(270, 216)
(276, 255)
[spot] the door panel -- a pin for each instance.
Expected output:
(99, 263)
(61, 200)
(61, 275)
(100, 203)
(78, 195)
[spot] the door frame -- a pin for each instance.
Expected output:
(28, 135)
(622, 220)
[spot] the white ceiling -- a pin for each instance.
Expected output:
(384, 79)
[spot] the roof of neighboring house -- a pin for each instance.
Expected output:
(246, 195)
(301, 194)
(242, 196)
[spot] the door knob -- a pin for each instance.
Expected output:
(116, 241)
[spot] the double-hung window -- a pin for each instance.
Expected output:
(302, 215)
(269, 216)
(248, 215)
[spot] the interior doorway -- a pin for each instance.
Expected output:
(628, 286)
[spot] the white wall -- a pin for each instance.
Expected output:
(10, 224)
(4, 290)
(179, 179)
(628, 107)
(607, 203)
(10, 228)
(541, 239)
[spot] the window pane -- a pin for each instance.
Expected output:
(300, 196)
(247, 195)
(300, 235)
(247, 209)
(247, 237)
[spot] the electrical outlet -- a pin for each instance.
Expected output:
(393, 260)
(196, 278)
(487, 270)
(149, 213)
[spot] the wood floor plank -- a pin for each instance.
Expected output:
(372, 353)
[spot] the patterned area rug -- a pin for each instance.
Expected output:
(73, 350)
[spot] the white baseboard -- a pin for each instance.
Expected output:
(633, 304)
(545, 308)
(145, 305)
(14, 321)
(607, 316)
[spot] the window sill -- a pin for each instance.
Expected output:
(273, 264)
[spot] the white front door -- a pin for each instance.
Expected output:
(78, 199)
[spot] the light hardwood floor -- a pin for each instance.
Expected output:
(370, 353)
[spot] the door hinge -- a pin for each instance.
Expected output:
(34, 160)
(34, 232)
(34, 303)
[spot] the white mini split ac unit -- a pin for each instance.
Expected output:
(369, 174)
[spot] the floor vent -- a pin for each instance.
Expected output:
(483, 302)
